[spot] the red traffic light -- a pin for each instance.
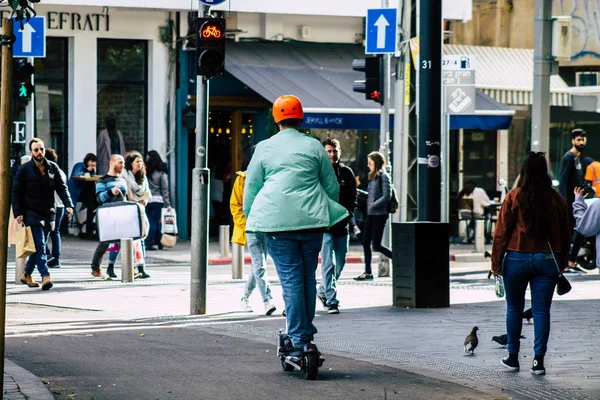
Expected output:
(375, 95)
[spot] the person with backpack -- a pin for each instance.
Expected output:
(378, 210)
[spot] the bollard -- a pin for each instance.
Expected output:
(127, 258)
(224, 239)
(19, 269)
(237, 261)
(480, 235)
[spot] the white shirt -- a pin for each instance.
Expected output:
(480, 200)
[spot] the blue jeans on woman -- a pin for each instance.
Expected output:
(154, 211)
(113, 255)
(540, 272)
(257, 246)
(296, 256)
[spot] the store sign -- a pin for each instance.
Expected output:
(71, 21)
(458, 76)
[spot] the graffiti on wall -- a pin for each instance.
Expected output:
(585, 25)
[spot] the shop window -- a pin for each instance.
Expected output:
(123, 89)
(479, 159)
(51, 98)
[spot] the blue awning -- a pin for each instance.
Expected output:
(489, 115)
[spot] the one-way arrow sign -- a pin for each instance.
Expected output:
(381, 30)
(31, 41)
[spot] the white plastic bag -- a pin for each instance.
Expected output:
(169, 221)
(139, 254)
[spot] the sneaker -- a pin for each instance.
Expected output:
(97, 272)
(288, 349)
(269, 307)
(572, 271)
(511, 362)
(364, 277)
(53, 263)
(323, 301)
(537, 367)
(333, 309)
(245, 305)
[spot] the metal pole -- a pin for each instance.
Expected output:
(445, 163)
(543, 67)
(237, 261)
(200, 190)
(5, 133)
(429, 15)
(401, 105)
(127, 258)
(19, 268)
(224, 238)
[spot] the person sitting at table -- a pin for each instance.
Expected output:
(480, 202)
(84, 192)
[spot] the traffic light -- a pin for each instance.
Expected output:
(211, 46)
(372, 85)
(23, 87)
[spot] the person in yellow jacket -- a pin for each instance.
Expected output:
(257, 246)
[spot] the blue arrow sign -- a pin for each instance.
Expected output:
(382, 35)
(31, 41)
(212, 2)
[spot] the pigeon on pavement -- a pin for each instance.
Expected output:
(528, 315)
(502, 340)
(471, 341)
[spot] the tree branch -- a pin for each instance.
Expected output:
(22, 10)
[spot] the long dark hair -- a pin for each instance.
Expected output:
(467, 189)
(379, 161)
(154, 162)
(140, 176)
(536, 199)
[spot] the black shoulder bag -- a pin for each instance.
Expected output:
(562, 286)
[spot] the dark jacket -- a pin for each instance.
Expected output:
(33, 193)
(347, 198)
(380, 193)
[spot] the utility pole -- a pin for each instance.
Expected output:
(429, 109)
(200, 191)
(5, 133)
(402, 117)
(543, 66)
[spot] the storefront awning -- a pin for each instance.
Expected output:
(489, 115)
(506, 75)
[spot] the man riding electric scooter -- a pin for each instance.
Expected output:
(291, 194)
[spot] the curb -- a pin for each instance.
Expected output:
(29, 385)
(468, 257)
(248, 260)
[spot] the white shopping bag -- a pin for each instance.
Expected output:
(169, 221)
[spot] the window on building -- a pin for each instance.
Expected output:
(123, 89)
(51, 90)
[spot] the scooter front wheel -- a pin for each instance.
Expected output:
(311, 366)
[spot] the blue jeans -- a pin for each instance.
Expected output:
(540, 272)
(154, 211)
(333, 246)
(40, 235)
(296, 256)
(257, 246)
(55, 234)
(112, 256)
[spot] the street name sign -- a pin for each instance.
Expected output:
(212, 2)
(458, 77)
(31, 40)
(382, 31)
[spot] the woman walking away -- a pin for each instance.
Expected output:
(378, 209)
(159, 186)
(138, 191)
(531, 243)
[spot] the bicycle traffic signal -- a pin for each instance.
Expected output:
(211, 46)
(23, 87)
(372, 85)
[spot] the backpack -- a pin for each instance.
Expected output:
(393, 202)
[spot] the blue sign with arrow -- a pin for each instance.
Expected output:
(31, 40)
(382, 35)
(212, 2)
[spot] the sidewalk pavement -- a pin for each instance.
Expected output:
(426, 341)
(20, 384)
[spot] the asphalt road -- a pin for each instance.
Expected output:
(192, 363)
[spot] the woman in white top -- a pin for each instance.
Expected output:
(479, 196)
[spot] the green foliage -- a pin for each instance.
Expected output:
(22, 9)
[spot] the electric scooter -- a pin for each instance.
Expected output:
(309, 363)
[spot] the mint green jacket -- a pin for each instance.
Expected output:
(291, 185)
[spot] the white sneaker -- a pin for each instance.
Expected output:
(269, 307)
(245, 305)
(356, 231)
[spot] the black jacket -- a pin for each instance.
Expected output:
(347, 197)
(33, 193)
